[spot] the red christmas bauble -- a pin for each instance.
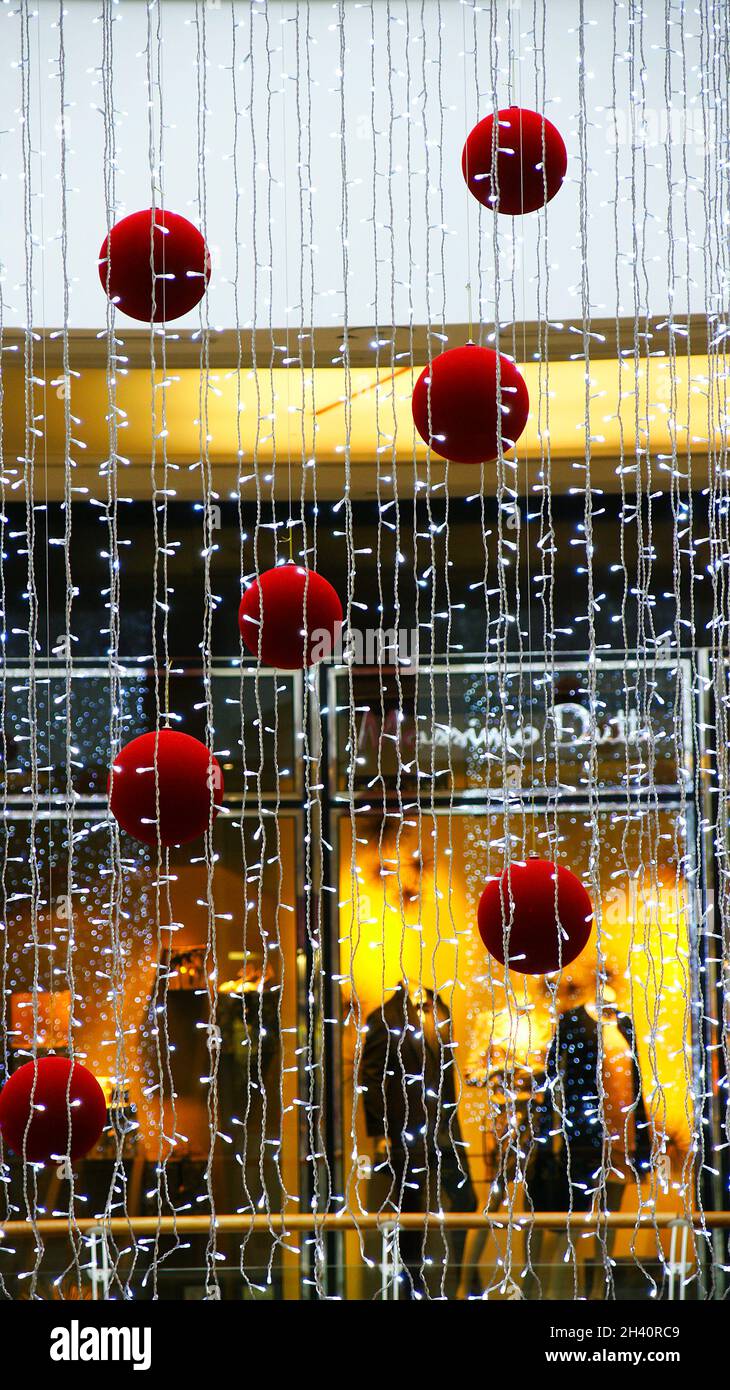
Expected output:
(295, 613)
(461, 416)
(48, 1131)
(520, 185)
(522, 902)
(188, 778)
(181, 265)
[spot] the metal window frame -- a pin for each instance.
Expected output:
(87, 668)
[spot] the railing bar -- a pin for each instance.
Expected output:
(366, 1221)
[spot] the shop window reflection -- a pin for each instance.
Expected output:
(153, 1061)
(512, 1045)
(247, 705)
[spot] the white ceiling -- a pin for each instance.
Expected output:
(434, 102)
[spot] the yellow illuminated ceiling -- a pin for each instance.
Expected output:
(277, 418)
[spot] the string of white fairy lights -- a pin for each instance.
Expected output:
(31, 434)
(236, 116)
(70, 975)
(317, 1021)
(546, 578)
(164, 1084)
(386, 441)
(721, 337)
(108, 473)
(714, 59)
(693, 687)
(206, 646)
(354, 905)
(276, 946)
(448, 1055)
(644, 834)
(686, 673)
(414, 1085)
(4, 853)
(254, 872)
(624, 470)
(694, 1171)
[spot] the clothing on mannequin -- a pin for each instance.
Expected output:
(575, 1114)
(504, 1056)
(409, 1099)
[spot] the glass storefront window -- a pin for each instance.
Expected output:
(400, 885)
(232, 1007)
(264, 704)
(408, 941)
(474, 729)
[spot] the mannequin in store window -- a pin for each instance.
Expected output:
(506, 1055)
(409, 1098)
(246, 1017)
(572, 1169)
(247, 1014)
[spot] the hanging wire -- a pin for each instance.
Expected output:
(31, 434)
(160, 664)
(4, 950)
(108, 474)
(70, 886)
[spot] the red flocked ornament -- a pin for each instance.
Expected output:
(188, 777)
(522, 901)
(464, 411)
(301, 618)
(181, 262)
(521, 185)
(48, 1131)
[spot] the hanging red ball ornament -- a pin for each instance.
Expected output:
(181, 265)
(522, 903)
(177, 768)
(47, 1135)
(461, 412)
(531, 161)
(295, 613)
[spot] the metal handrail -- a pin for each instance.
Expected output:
(278, 1223)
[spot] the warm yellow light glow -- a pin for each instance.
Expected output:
(285, 416)
(393, 925)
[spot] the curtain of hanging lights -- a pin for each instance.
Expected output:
(391, 88)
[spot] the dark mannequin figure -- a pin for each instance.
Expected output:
(247, 1058)
(247, 1015)
(567, 1175)
(409, 1098)
(248, 1048)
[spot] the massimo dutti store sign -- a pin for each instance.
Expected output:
(467, 729)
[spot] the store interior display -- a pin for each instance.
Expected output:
(364, 651)
(592, 1089)
(409, 1096)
